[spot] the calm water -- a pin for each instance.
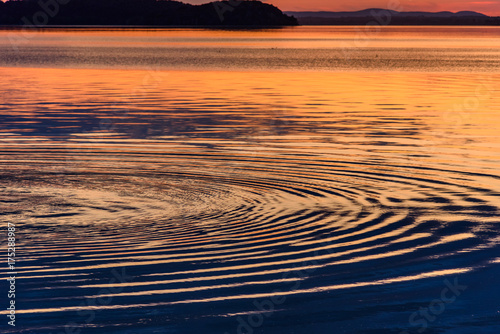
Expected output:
(299, 180)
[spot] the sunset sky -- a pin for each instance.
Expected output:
(491, 7)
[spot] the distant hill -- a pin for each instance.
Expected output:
(392, 17)
(142, 12)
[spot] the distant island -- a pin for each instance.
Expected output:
(391, 17)
(141, 12)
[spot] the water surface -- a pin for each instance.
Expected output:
(183, 181)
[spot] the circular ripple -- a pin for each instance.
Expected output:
(206, 233)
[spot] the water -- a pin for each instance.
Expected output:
(183, 180)
(311, 48)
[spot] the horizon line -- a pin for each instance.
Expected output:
(329, 11)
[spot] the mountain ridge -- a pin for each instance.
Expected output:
(368, 11)
(392, 17)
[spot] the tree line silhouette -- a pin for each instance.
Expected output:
(141, 12)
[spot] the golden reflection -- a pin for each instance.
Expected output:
(229, 181)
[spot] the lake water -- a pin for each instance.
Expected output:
(297, 180)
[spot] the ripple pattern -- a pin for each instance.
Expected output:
(349, 217)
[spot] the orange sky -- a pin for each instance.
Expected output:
(489, 7)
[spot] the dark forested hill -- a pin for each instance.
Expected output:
(141, 12)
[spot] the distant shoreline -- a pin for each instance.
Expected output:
(377, 16)
(421, 24)
(137, 27)
(15, 27)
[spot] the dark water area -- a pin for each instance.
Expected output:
(174, 197)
